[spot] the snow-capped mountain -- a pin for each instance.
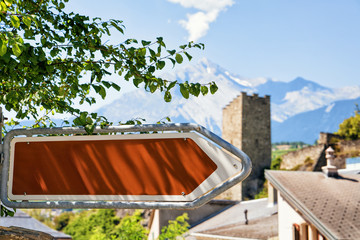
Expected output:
(287, 98)
(307, 126)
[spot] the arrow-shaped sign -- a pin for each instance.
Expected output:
(161, 170)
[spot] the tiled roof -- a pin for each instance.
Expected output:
(261, 228)
(332, 205)
(231, 222)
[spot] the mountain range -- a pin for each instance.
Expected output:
(300, 109)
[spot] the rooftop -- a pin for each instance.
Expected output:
(230, 223)
(331, 204)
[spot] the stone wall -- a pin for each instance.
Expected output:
(327, 138)
(246, 125)
(343, 149)
(293, 159)
(349, 148)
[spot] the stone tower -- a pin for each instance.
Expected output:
(246, 125)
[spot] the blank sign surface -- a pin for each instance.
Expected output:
(171, 166)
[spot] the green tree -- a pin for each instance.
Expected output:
(104, 224)
(46, 54)
(87, 223)
(62, 220)
(175, 228)
(275, 164)
(350, 128)
(130, 228)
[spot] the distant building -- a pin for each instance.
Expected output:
(283, 147)
(247, 125)
(317, 205)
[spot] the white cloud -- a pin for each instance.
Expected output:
(204, 5)
(198, 24)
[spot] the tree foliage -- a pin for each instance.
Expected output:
(45, 52)
(105, 225)
(62, 220)
(350, 128)
(275, 164)
(88, 223)
(175, 228)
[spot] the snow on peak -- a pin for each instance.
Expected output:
(329, 107)
(287, 98)
(238, 80)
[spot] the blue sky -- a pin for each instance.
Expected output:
(280, 39)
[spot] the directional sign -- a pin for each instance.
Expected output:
(133, 167)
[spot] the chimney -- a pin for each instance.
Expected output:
(330, 169)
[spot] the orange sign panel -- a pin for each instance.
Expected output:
(95, 166)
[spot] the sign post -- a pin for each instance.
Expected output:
(185, 166)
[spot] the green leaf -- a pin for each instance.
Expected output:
(117, 87)
(102, 92)
(158, 54)
(195, 89)
(106, 84)
(145, 43)
(171, 85)
(179, 58)
(172, 52)
(77, 122)
(43, 40)
(118, 65)
(151, 69)
(142, 51)
(152, 53)
(15, 21)
(160, 64)
(89, 120)
(213, 88)
(173, 61)
(3, 48)
(96, 88)
(27, 21)
(54, 52)
(81, 120)
(8, 2)
(184, 91)
(167, 96)
(188, 56)
(89, 128)
(10, 213)
(137, 81)
(112, 23)
(3, 7)
(16, 49)
(152, 87)
(161, 42)
(204, 90)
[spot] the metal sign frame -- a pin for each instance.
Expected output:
(183, 127)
